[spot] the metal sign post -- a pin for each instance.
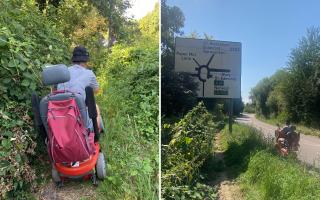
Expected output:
(230, 114)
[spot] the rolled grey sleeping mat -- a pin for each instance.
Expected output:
(55, 74)
(92, 110)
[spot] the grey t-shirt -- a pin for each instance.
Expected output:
(80, 78)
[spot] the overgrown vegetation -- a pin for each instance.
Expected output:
(27, 41)
(261, 173)
(293, 93)
(124, 55)
(178, 90)
(271, 177)
(239, 144)
(182, 158)
(131, 107)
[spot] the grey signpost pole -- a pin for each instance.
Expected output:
(230, 114)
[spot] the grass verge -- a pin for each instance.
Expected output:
(261, 173)
(130, 108)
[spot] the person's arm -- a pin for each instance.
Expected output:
(96, 91)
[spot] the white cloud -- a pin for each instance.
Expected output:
(140, 8)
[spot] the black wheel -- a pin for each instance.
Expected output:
(38, 125)
(35, 101)
(101, 166)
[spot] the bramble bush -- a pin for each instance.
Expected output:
(190, 146)
(27, 41)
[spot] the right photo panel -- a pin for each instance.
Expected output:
(240, 96)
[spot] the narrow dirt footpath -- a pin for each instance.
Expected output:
(228, 189)
(309, 151)
(72, 190)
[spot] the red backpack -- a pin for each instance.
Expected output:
(68, 138)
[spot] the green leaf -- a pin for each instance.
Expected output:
(19, 123)
(6, 144)
(6, 80)
(133, 173)
(3, 41)
(22, 66)
(18, 158)
(25, 82)
(33, 86)
(11, 64)
(188, 140)
(27, 75)
(8, 133)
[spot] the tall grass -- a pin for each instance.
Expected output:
(131, 172)
(243, 141)
(271, 177)
(262, 173)
(129, 105)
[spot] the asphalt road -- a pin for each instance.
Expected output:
(309, 151)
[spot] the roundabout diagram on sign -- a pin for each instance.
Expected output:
(215, 65)
(207, 72)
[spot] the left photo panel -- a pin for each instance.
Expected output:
(79, 106)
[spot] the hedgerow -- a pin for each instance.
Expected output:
(130, 99)
(190, 146)
(27, 42)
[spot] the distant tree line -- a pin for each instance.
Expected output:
(293, 93)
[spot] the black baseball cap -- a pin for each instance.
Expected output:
(80, 54)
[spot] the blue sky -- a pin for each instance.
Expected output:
(268, 30)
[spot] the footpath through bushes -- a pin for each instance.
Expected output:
(191, 144)
(30, 38)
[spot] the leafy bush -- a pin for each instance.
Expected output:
(133, 73)
(130, 103)
(197, 192)
(27, 41)
(178, 92)
(191, 144)
(248, 108)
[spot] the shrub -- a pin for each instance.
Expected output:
(27, 41)
(191, 144)
(130, 104)
(197, 192)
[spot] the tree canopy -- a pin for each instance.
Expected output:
(293, 93)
